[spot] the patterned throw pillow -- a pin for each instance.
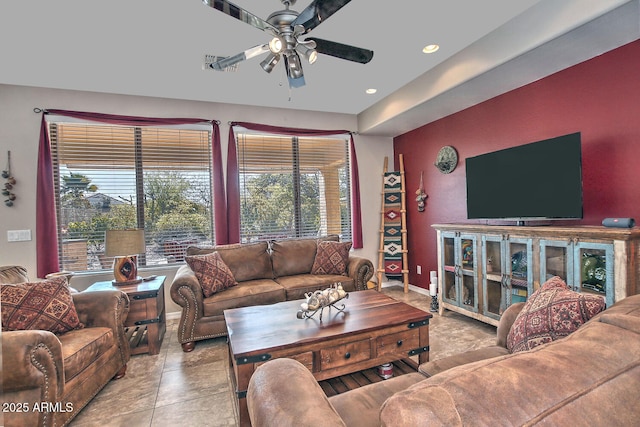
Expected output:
(331, 258)
(46, 305)
(212, 272)
(553, 311)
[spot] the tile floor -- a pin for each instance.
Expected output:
(175, 388)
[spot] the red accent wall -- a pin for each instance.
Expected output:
(599, 98)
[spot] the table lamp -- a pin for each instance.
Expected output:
(124, 246)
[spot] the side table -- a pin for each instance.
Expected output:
(146, 323)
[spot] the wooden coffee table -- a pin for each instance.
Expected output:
(373, 329)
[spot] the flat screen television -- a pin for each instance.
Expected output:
(537, 181)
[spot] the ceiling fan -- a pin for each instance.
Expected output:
(287, 26)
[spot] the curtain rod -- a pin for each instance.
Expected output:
(38, 110)
(352, 132)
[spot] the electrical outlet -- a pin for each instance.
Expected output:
(419, 269)
(18, 235)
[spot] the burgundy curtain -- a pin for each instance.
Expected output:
(233, 178)
(46, 224)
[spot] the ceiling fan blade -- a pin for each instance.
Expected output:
(239, 13)
(242, 56)
(342, 51)
(317, 12)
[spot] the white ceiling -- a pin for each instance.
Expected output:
(156, 48)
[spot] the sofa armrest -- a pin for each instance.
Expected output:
(31, 360)
(360, 270)
(283, 393)
(506, 321)
(186, 290)
(105, 309)
(187, 293)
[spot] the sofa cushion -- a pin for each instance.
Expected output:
(624, 321)
(296, 286)
(212, 273)
(553, 311)
(247, 293)
(248, 261)
(80, 348)
(434, 367)
(331, 258)
(295, 256)
(13, 274)
(45, 305)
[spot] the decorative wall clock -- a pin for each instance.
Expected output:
(447, 159)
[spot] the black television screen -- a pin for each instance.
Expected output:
(541, 180)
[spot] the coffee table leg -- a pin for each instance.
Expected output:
(242, 374)
(424, 342)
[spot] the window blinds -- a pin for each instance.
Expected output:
(114, 177)
(293, 186)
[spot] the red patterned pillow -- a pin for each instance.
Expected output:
(331, 258)
(553, 311)
(43, 305)
(212, 272)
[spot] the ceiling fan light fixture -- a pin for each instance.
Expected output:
(308, 51)
(276, 45)
(270, 62)
(312, 57)
(294, 67)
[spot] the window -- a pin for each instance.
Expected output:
(116, 177)
(293, 186)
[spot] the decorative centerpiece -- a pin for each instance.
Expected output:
(319, 300)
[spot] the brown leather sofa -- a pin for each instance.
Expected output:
(589, 378)
(266, 272)
(46, 378)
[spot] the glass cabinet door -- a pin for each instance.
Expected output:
(556, 259)
(519, 272)
(467, 273)
(594, 269)
(449, 292)
(494, 296)
(459, 280)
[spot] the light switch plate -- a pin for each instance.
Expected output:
(18, 235)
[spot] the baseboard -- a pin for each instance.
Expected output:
(414, 288)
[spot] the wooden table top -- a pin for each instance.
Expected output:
(266, 327)
(146, 286)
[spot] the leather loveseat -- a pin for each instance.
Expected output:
(48, 378)
(266, 273)
(589, 378)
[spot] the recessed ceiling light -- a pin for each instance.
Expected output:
(371, 91)
(430, 48)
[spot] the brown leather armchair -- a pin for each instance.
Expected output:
(47, 378)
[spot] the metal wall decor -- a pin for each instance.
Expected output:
(11, 181)
(421, 196)
(447, 159)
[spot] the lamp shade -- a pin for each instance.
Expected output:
(124, 242)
